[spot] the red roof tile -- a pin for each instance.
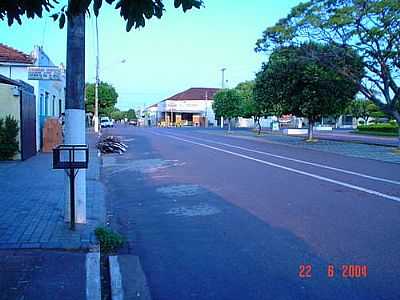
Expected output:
(11, 55)
(195, 94)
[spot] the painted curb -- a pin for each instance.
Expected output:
(115, 279)
(93, 282)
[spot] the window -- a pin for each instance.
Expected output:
(42, 104)
(46, 104)
(60, 111)
(53, 113)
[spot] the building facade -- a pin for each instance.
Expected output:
(192, 107)
(49, 91)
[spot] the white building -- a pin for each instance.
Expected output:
(150, 114)
(49, 90)
(192, 107)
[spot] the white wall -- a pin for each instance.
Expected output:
(53, 88)
(190, 106)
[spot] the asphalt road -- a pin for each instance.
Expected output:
(217, 217)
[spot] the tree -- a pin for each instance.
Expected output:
(131, 114)
(227, 104)
(9, 144)
(375, 112)
(358, 108)
(249, 107)
(134, 12)
(298, 84)
(107, 98)
(370, 27)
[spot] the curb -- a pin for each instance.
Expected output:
(117, 292)
(93, 282)
(127, 278)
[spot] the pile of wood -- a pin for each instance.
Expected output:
(111, 144)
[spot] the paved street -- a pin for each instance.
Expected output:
(219, 217)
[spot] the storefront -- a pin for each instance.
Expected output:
(192, 107)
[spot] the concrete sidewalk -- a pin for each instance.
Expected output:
(32, 204)
(47, 275)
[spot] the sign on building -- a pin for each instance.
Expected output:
(44, 73)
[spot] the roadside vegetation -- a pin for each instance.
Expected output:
(9, 144)
(110, 241)
(323, 55)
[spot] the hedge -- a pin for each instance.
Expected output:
(386, 127)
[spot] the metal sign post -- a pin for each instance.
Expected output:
(71, 158)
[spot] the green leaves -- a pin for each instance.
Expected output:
(9, 144)
(107, 98)
(134, 12)
(227, 103)
(370, 27)
(62, 21)
(295, 81)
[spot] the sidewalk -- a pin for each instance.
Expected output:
(32, 204)
(42, 274)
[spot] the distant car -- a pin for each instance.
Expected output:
(106, 122)
(133, 122)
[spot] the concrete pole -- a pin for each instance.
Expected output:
(205, 115)
(223, 86)
(96, 88)
(75, 107)
(223, 78)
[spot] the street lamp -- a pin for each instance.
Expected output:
(96, 87)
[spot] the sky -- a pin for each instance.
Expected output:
(169, 55)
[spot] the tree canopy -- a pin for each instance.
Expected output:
(370, 27)
(134, 12)
(363, 108)
(294, 82)
(107, 98)
(227, 104)
(250, 108)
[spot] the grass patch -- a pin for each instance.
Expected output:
(377, 133)
(110, 241)
(311, 140)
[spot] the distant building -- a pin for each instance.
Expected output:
(150, 114)
(192, 107)
(48, 81)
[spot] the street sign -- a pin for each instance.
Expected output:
(71, 158)
(44, 73)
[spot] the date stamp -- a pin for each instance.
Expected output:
(343, 271)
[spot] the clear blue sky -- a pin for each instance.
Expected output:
(168, 55)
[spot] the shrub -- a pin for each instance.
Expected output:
(109, 240)
(386, 127)
(9, 144)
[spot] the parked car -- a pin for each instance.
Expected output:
(106, 122)
(133, 122)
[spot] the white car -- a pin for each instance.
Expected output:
(106, 122)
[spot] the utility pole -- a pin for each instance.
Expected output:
(223, 78)
(223, 86)
(96, 87)
(75, 108)
(205, 115)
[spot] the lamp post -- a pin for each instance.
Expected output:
(96, 86)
